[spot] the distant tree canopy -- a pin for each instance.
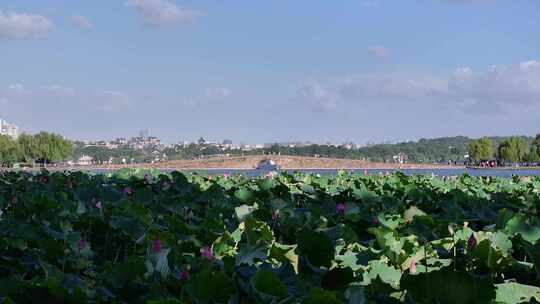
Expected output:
(9, 151)
(514, 150)
(46, 148)
(43, 147)
(102, 154)
(28, 148)
(50, 147)
(481, 149)
(535, 150)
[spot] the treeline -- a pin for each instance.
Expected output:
(102, 155)
(46, 148)
(511, 150)
(41, 148)
(436, 150)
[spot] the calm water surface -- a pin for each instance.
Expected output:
(438, 172)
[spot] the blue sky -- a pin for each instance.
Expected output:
(263, 71)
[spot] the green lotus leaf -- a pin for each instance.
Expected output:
(515, 293)
(448, 287)
(316, 247)
(319, 296)
(266, 282)
(528, 229)
(209, 286)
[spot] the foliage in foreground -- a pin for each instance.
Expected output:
(131, 238)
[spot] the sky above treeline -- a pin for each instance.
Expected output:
(266, 71)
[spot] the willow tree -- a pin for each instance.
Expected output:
(535, 150)
(9, 151)
(514, 150)
(50, 147)
(481, 149)
(27, 145)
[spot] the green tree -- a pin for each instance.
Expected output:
(27, 145)
(535, 150)
(9, 151)
(514, 150)
(51, 147)
(481, 149)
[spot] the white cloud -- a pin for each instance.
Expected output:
(500, 87)
(159, 13)
(59, 90)
(16, 87)
(318, 97)
(115, 101)
(64, 96)
(81, 22)
(218, 92)
(379, 51)
(23, 26)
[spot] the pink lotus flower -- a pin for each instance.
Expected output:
(226, 175)
(340, 208)
(471, 243)
(156, 245)
(99, 205)
(412, 267)
(82, 244)
(206, 252)
(127, 191)
(275, 215)
(365, 172)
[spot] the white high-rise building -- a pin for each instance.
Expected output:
(9, 129)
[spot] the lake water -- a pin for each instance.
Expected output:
(438, 172)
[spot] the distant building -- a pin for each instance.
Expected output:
(152, 140)
(227, 142)
(85, 160)
(8, 129)
(202, 141)
(144, 134)
(400, 158)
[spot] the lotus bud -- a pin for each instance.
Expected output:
(156, 245)
(340, 208)
(82, 244)
(184, 275)
(451, 229)
(127, 191)
(275, 215)
(472, 242)
(206, 252)
(412, 267)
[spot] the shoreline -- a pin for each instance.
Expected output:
(285, 163)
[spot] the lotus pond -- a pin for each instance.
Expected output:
(136, 237)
